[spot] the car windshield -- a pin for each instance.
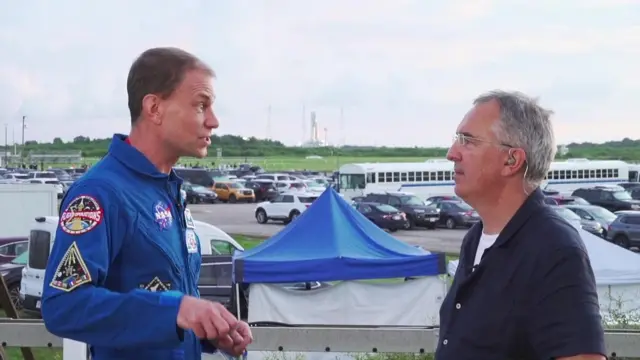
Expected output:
(411, 200)
(235, 185)
(22, 259)
(567, 214)
(198, 188)
(603, 214)
(386, 208)
(54, 182)
(622, 195)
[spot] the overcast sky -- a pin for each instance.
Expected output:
(404, 71)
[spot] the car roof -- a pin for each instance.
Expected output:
(581, 206)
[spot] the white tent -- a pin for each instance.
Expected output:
(617, 273)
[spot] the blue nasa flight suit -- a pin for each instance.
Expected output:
(125, 253)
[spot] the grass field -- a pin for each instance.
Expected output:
(330, 163)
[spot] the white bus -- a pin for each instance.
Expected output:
(435, 177)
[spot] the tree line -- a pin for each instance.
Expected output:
(237, 146)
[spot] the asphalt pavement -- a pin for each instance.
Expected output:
(240, 219)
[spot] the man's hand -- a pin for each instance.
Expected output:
(207, 319)
(238, 340)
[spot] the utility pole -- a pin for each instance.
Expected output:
(22, 149)
(6, 144)
(269, 123)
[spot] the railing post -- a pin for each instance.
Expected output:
(73, 350)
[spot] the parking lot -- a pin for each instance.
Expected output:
(239, 219)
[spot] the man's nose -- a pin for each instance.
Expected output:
(453, 154)
(211, 121)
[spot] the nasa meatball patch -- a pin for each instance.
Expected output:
(82, 215)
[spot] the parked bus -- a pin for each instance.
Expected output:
(435, 177)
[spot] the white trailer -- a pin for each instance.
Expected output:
(20, 204)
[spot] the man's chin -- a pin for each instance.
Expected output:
(198, 153)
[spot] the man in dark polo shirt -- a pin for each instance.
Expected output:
(524, 288)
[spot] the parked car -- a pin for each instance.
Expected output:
(198, 194)
(625, 230)
(12, 247)
(612, 198)
(385, 216)
(591, 226)
(437, 199)
(12, 274)
(456, 213)
(418, 213)
(594, 213)
(286, 207)
(565, 200)
(263, 189)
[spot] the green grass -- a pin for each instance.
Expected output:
(279, 163)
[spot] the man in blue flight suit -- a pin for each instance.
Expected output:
(123, 271)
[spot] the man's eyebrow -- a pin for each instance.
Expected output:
(467, 134)
(206, 97)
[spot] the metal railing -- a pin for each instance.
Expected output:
(344, 339)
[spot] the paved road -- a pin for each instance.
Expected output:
(239, 219)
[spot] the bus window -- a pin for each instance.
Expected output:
(352, 181)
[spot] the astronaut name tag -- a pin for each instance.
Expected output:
(189, 219)
(192, 242)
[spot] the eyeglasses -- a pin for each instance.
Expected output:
(463, 139)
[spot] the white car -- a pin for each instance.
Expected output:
(285, 207)
(55, 182)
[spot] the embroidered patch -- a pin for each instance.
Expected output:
(192, 242)
(162, 213)
(72, 271)
(156, 285)
(82, 215)
(189, 219)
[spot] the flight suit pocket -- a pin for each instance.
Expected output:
(161, 243)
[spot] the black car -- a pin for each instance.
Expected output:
(385, 216)
(611, 198)
(198, 194)
(12, 274)
(418, 213)
(264, 190)
(456, 213)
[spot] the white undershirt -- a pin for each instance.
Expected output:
(486, 241)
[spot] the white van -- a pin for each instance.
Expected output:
(217, 249)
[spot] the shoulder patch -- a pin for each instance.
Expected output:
(72, 271)
(82, 215)
(156, 285)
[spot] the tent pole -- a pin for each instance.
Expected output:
(238, 301)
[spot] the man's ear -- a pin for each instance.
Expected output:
(516, 159)
(151, 108)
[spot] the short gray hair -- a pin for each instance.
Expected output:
(527, 125)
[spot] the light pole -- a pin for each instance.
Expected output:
(22, 148)
(6, 144)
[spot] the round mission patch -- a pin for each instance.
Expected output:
(81, 215)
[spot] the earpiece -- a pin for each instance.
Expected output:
(511, 160)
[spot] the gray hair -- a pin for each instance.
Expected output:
(525, 124)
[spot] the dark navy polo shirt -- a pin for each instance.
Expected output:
(533, 295)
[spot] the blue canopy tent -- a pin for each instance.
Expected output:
(332, 241)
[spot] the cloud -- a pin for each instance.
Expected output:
(404, 72)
